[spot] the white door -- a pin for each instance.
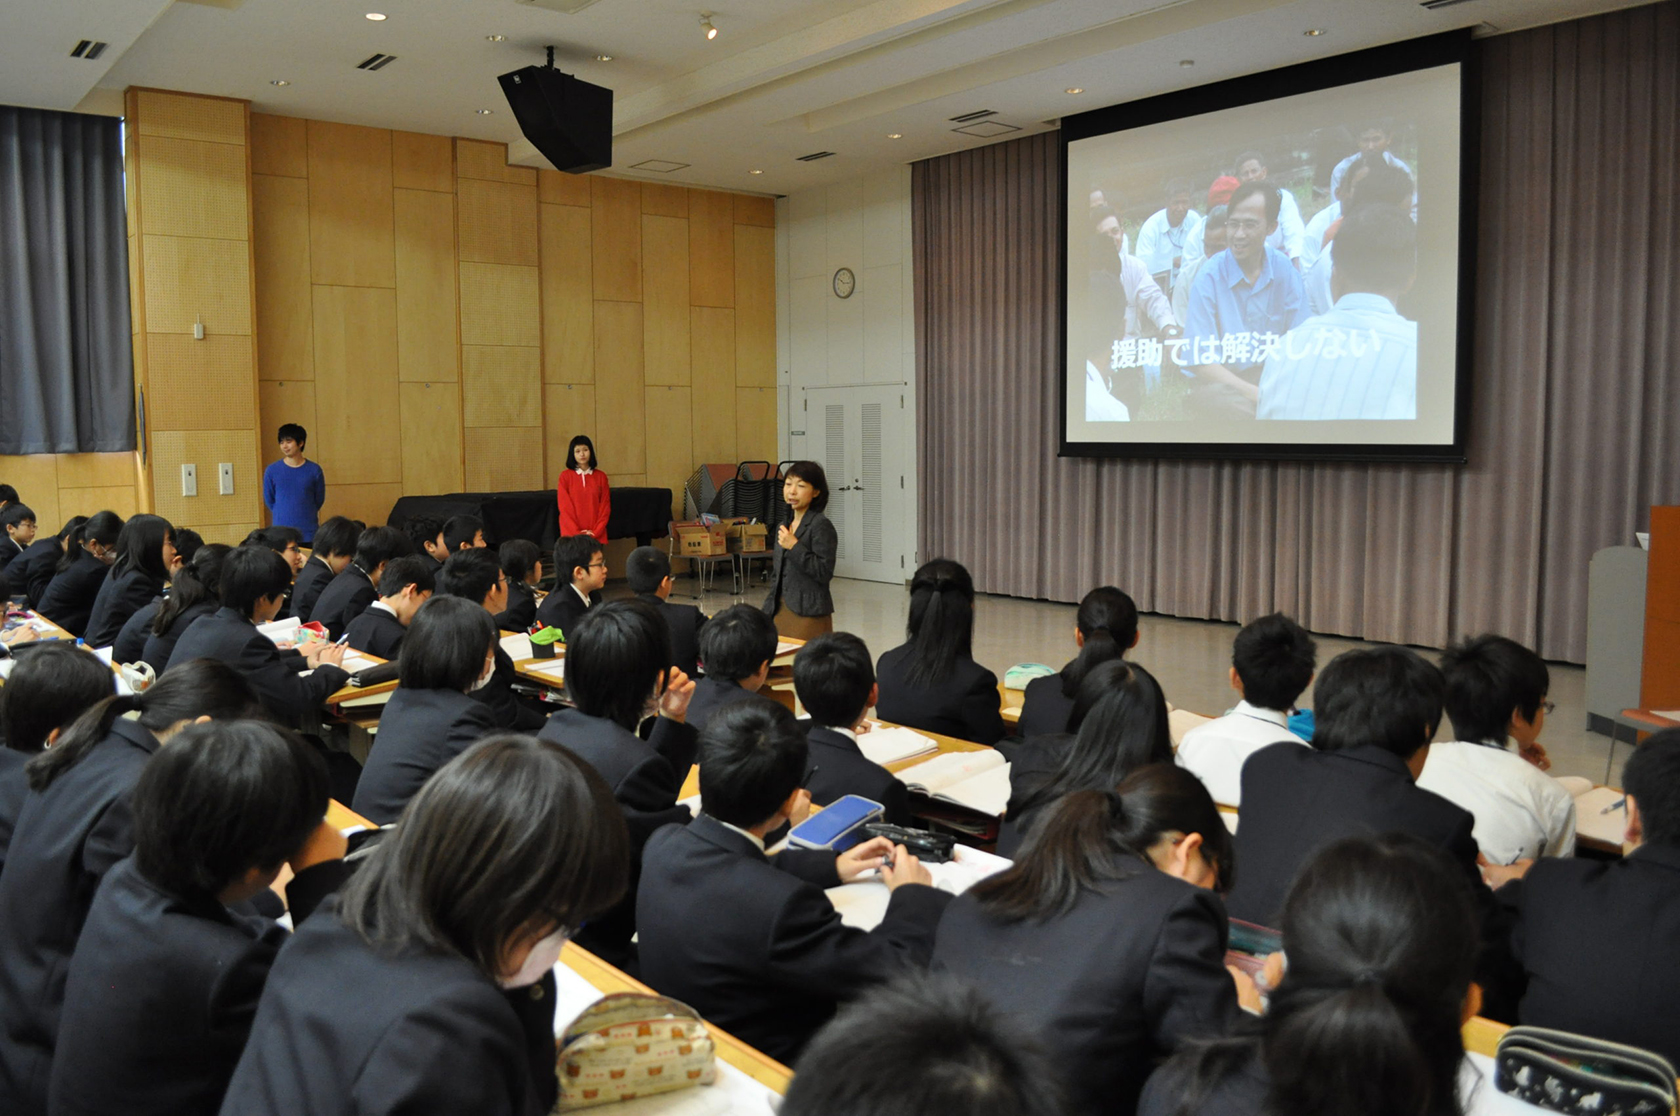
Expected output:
(863, 439)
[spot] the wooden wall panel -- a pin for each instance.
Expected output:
(711, 248)
(755, 424)
(500, 305)
(193, 188)
(421, 162)
(568, 410)
(94, 470)
(200, 385)
(715, 438)
(280, 245)
(228, 534)
(431, 448)
(117, 498)
(501, 385)
(620, 416)
(191, 279)
(283, 401)
(428, 333)
(498, 222)
(557, 188)
(370, 503)
(617, 238)
(663, 200)
(755, 211)
(503, 460)
(488, 161)
(35, 476)
(665, 299)
(187, 116)
(755, 306)
(355, 376)
(206, 449)
(351, 235)
(670, 443)
(568, 301)
(279, 145)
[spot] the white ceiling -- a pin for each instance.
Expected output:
(782, 79)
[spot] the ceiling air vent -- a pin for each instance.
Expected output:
(376, 62)
(1433, 4)
(89, 49)
(971, 117)
(986, 129)
(814, 156)
(659, 166)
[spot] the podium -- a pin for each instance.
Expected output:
(1660, 684)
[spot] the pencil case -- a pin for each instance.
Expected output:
(630, 1045)
(1581, 1076)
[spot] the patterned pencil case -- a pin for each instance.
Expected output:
(630, 1045)
(1581, 1076)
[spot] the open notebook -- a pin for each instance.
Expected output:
(1601, 814)
(888, 744)
(977, 780)
(863, 904)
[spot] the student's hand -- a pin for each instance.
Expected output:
(679, 690)
(861, 858)
(801, 807)
(325, 844)
(330, 653)
(786, 538)
(1536, 754)
(19, 635)
(1497, 876)
(904, 869)
(1248, 993)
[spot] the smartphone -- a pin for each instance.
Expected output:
(837, 826)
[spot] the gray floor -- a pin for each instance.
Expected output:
(1189, 657)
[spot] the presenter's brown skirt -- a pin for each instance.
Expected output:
(794, 626)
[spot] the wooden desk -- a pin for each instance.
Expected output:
(53, 631)
(1009, 704)
(1481, 1036)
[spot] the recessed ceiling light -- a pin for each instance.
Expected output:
(279, 81)
(485, 112)
(603, 58)
(755, 172)
(1186, 62)
(496, 38)
(895, 135)
(1313, 32)
(706, 25)
(376, 16)
(1075, 89)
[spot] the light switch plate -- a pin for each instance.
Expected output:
(224, 477)
(189, 480)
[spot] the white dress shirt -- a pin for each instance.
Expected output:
(1100, 404)
(753, 837)
(1161, 247)
(1520, 811)
(1312, 241)
(1357, 361)
(1215, 752)
(1288, 235)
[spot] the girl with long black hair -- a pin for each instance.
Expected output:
(932, 682)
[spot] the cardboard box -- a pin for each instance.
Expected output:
(697, 540)
(748, 538)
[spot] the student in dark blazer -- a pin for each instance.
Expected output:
(145, 557)
(431, 717)
(348, 595)
(75, 826)
(771, 960)
(333, 548)
(17, 532)
(195, 592)
(1107, 938)
(404, 586)
(835, 680)
(426, 534)
(254, 582)
(580, 573)
(88, 553)
(165, 978)
(805, 552)
(736, 649)
(49, 687)
(932, 682)
(32, 571)
(1365, 1017)
(429, 989)
(288, 543)
(648, 570)
(1595, 939)
(130, 644)
(1125, 729)
(522, 563)
(1105, 628)
(616, 671)
(475, 575)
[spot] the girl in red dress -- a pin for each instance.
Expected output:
(585, 500)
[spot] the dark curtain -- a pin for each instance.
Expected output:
(66, 361)
(1576, 418)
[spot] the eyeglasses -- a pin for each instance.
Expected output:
(1549, 706)
(1243, 225)
(596, 566)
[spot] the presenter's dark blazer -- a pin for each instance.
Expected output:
(802, 575)
(1595, 940)
(311, 581)
(281, 687)
(836, 767)
(346, 597)
(189, 972)
(69, 596)
(521, 610)
(419, 732)
(770, 960)
(711, 695)
(67, 838)
(505, 707)
(122, 594)
(1044, 709)
(684, 623)
(345, 1029)
(159, 648)
(130, 644)
(31, 571)
(1135, 969)
(563, 608)
(964, 705)
(377, 632)
(646, 776)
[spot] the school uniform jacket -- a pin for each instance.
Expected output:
(1133, 971)
(684, 623)
(14, 789)
(377, 632)
(505, 707)
(521, 610)
(160, 997)
(68, 598)
(1044, 708)
(345, 597)
(130, 644)
(563, 608)
(344, 1029)
(67, 838)
(711, 695)
(31, 571)
(123, 593)
(1032, 764)
(9, 549)
(159, 648)
(963, 705)
(802, 575)
(753, 944)
(836, 767)
(646, 776)
(311, 581)
(419, 732)
(281, 687)
(1595, 940)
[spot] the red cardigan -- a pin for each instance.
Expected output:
(585, 504)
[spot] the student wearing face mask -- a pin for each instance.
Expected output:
(429, 991)
(432, 717)
(88, 553)
(1107, 937)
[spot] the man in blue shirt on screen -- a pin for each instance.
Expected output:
(1241, 305)
(294, 488)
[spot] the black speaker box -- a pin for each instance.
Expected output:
(569, 121)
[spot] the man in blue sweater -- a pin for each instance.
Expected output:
(294, 488)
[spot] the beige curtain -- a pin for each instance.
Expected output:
(1576, 410)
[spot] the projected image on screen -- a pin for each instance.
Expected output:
(1281, 273)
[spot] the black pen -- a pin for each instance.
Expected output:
(805, 784)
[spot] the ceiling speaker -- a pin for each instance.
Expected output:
(568, 120)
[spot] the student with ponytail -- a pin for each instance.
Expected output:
(77, 824)
(196, 592)
(1106, 939)
(932, 682)
(88, 553)
(1380, 939)
(145, 557)
(1105, 629)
